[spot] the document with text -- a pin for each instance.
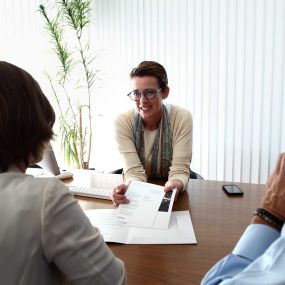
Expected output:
(149, 206)
(113, 229)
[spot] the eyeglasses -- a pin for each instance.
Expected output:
(147, 93)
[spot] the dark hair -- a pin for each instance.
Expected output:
(26, 116)
(151, 68)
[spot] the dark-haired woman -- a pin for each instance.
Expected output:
(154, 139)
(43, 230)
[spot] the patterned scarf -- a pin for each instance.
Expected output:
(163, 139)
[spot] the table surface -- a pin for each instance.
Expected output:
(218, 220)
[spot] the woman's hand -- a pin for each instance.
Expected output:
(175, 184)
(118, 195)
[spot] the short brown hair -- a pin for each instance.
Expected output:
(26, 116)
(151, 68)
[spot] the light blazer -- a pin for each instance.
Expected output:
(43, 230)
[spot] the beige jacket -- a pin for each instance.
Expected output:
(43, 230)
(181, 125)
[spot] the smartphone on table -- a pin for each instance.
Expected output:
(232, 190)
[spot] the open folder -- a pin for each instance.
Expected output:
(113, 229)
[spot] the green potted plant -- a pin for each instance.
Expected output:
(71, 83)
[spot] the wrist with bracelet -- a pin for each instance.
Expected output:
(269, 218)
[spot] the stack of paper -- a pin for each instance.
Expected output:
(147, 219)
(180, 230)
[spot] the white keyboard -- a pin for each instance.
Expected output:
(91, 192)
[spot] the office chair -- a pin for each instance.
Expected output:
(117, 171)
(193, 175)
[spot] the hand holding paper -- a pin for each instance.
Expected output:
(118, 195)
(149, 206)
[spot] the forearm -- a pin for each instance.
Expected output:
(132, 174)
(246, 251)
(181, 121)
(262, 245)
(180, 171)
(133, 168)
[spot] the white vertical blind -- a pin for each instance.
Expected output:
(225, 61)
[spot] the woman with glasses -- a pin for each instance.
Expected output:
(154, 138)
(43, 230)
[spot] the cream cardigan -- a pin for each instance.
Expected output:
(181, 125)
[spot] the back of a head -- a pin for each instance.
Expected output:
(151, 68)
(26, 116)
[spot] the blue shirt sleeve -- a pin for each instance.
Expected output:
(249, 258)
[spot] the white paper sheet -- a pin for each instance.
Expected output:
(112, 228)
(145, 201)
(163, 215)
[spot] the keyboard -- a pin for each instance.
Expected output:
(90, 192)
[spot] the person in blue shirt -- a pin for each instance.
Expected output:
(259, 256)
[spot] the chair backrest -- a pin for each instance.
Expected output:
(117, 171)
(194, 175)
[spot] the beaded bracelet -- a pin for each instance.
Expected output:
(269, 218)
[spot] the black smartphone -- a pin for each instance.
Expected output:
(232, 190)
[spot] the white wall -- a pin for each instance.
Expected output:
(225, 60)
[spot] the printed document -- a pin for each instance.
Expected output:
(113, 229)
(149, 206)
